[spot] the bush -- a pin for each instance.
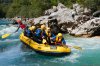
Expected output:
(36, 8)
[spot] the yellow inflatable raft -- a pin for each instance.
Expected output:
(45, 49)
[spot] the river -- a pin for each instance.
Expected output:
(11, 53)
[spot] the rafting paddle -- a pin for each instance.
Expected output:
(5, 35)
(76, 47)
(8, 34)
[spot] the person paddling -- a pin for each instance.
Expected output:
(30, 32)
(21, 25)
(40, 32)
(59, 40)
(48, 35)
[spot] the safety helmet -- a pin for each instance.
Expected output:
(48, 32)
(43, 27)
(59, 35)
(19, 21)
(47, 29)
(32, 28)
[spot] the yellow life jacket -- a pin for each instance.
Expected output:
(48, 34)
(58, 40)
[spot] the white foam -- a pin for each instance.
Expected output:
(71, 58)
(10, 29)
(84, 43)
(9, 40)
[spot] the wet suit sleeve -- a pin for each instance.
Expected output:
(44, 35)
(38, 32)
(63, 41)
(53, 38)
(28, 33)
(52, 35)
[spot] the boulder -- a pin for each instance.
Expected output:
(77, 21)
(67, 18)
(96, 14)
(78, 8)
(49, 11)
(41, 20)
(88, 28)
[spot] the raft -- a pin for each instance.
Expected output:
(45, 49)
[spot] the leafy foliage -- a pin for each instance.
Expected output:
(35, 8)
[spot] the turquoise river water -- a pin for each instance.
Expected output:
(12, 55)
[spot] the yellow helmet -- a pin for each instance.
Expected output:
(32, 28)
(47, 29)
(59, 35)
(43, 27)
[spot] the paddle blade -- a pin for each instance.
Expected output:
(77, 47)
(5, 35)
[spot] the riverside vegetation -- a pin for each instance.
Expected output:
(36, 8)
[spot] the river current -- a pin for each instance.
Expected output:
(11, 53)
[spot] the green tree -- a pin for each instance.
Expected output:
(36, 8)
(14, 9)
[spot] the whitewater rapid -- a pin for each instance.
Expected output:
(12, 55)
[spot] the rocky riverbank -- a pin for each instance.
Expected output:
(77, 21)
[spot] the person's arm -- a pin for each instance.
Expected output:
(53, 38)
(22, 26)
(63, 41)
(52, 35)
(44, 36)
(17, 29)
(37, 32)
(28, 33)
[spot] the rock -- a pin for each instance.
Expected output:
(41, 19)
(96, 37)
(87, 12)
(78, 9)
(60, 6)
(96, 14)
(88, 28)
(67, 18)
(63, 14)
(64, 17)
(77, 21)
(49, 11)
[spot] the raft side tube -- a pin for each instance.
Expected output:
(47, 49)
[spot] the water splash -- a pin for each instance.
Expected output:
(10, 29)
(14, 56)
